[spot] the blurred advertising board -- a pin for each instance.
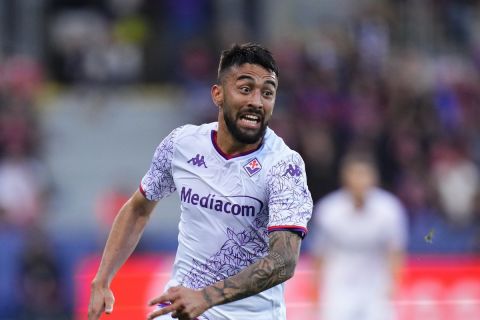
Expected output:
(432, 287)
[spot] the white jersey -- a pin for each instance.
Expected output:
(228, 207)
(354, 246)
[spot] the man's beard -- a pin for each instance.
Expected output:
(242, 136)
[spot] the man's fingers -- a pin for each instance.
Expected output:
(100, 301)
(169, 303)
(164, 298)
(94, 314)
(168, 296)
(109, 301)
(167, 309)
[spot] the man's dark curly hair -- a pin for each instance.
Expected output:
(252, 53)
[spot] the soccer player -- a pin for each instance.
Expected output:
(360, 240)
(244, 199)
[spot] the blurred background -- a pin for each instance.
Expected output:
(89, 88)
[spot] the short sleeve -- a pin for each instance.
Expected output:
(398, 226)
(289, 200)
(158, 181)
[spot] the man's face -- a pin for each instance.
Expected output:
(247, 101)
(358, 178)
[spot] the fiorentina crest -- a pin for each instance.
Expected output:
(252, 167)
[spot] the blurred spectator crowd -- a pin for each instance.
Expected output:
(397, 80)
(415, 106)
(29, 275)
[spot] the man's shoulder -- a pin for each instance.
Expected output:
(328, 207)
(274, 145)
(192, 130)
(387, 200)
(334, 198)
(384, 195)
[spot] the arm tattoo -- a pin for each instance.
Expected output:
(277, 267)
(207, 298)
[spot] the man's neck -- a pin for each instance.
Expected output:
(230, 146)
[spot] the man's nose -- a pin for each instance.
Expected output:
(256, 99)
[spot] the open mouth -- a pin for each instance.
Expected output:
(250, 120)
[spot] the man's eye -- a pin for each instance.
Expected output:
(268, 93)
(244, 89)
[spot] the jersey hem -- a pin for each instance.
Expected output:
(302, 231)
(140, 188)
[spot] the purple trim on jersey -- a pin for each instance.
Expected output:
(140, 188)
(228, 156)
(302, 231)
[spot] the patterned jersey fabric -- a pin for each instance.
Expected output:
(228, 207)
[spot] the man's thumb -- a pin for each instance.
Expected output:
(109, 304)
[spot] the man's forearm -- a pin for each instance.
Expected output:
(277, 267)
(126, 231)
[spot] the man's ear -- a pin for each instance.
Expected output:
(217, 95)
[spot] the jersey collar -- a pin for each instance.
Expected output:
(228, 156)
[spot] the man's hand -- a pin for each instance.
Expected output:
(183, 303)
(101, 299)
(126, 231)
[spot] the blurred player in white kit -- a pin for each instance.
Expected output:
(360, 239)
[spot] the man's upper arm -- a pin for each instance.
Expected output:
(284, 248)
(140, 204)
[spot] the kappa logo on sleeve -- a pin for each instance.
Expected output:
(252, 167)
(294, 171)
